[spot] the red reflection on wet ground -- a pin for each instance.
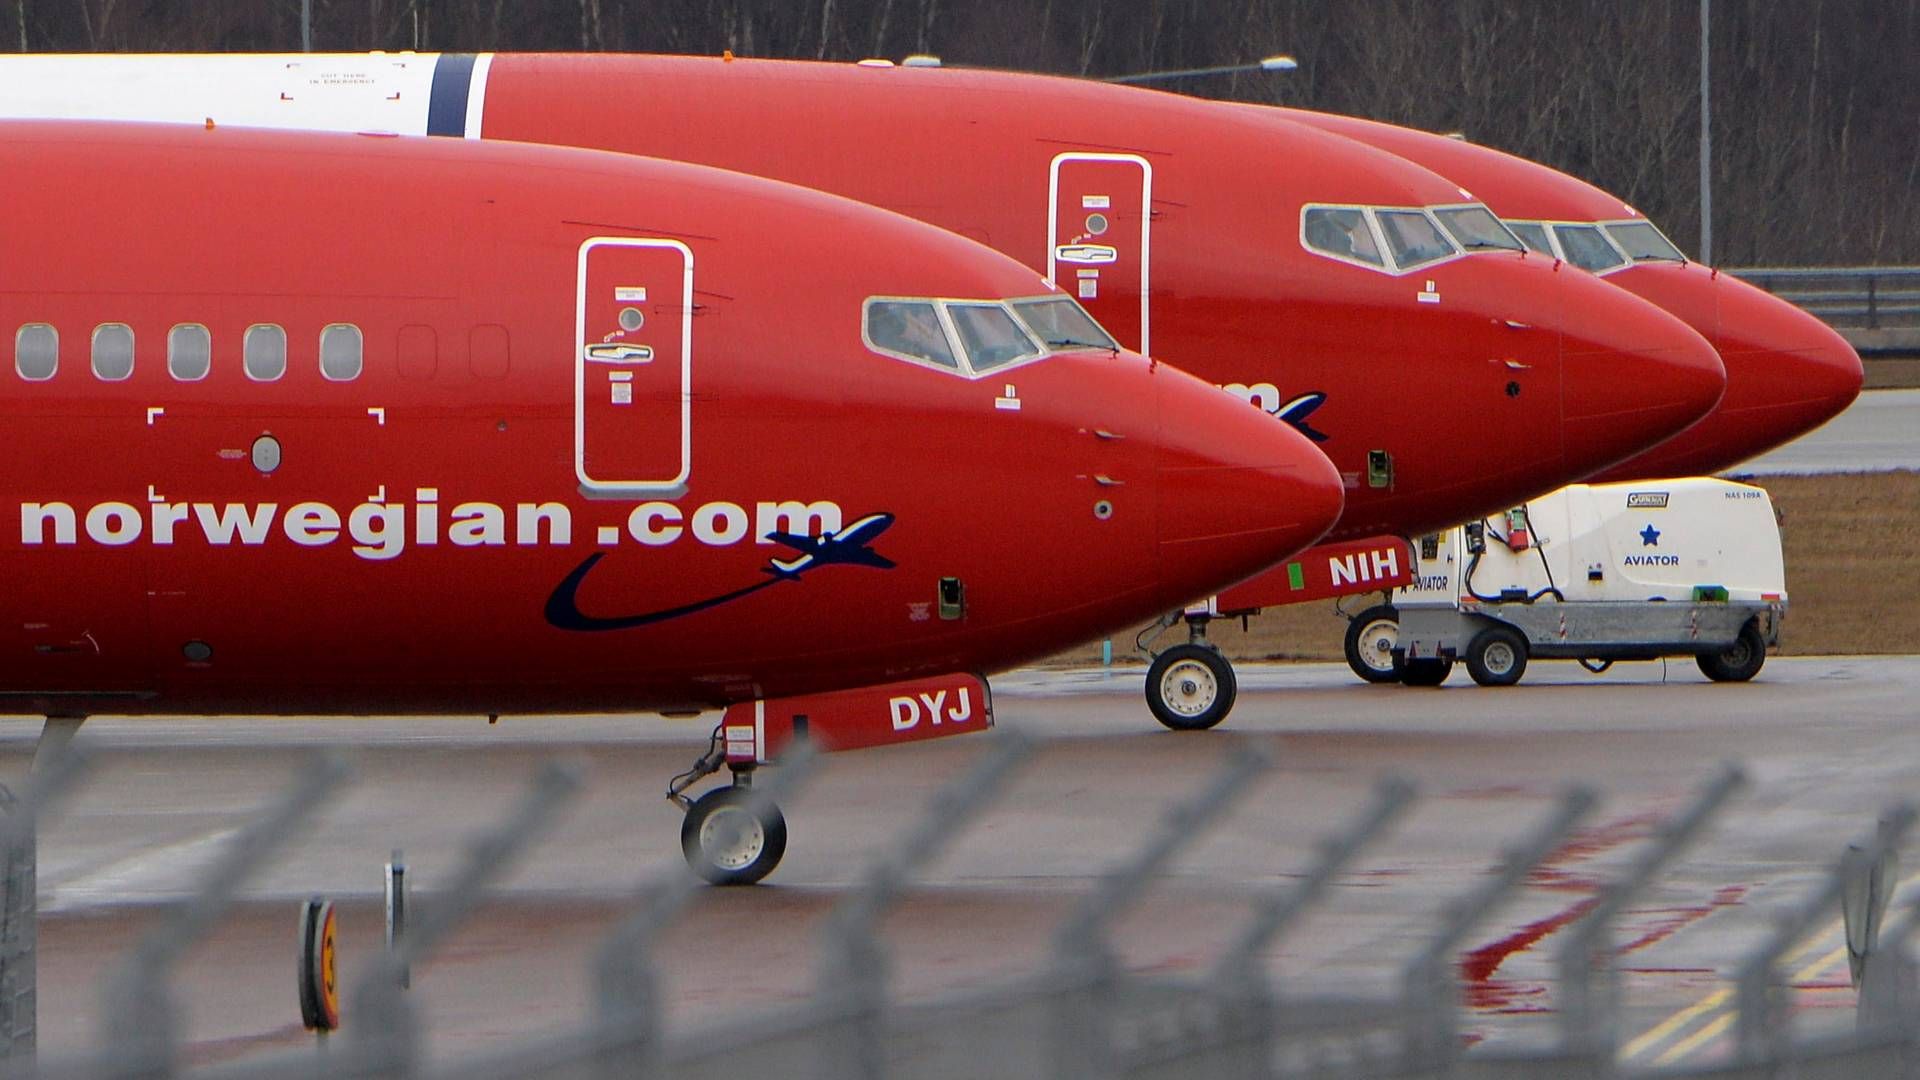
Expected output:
(1485, 992)
(1667, 922)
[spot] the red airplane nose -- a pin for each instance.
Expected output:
(1634, 375)
(1792, 371)
(1239, 489)
(1787, 373)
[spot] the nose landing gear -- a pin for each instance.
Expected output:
(731, 835)
(1191, 687)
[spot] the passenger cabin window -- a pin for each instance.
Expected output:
(36, 352)
(1640, 240)
(112, 351)
(340, 352)
(189, 352)
(1587, 249)
(1060, 323)
(1533, 234)
(990, 336)
(1475, 228)
(911, 329)
(1341, 233)
(1413, 238)
(264, 352)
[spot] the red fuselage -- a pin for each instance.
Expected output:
(1787, 372)
(332, 423)
(1440, 390)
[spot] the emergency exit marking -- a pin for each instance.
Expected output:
(1089, 288)
(1096, 202)
(630, 294)
(622, 393)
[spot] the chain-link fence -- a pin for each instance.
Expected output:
(1082, 1015)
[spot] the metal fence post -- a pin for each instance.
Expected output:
(1762, 1026)
(396, 910)
(1430, 987)
(852, 977)
(53, 775)
(1082, 959)
(1589, 983)
(138, 1014)
(380, 1018)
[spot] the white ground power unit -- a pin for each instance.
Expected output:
(1595, 573)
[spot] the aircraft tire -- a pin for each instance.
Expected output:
(1497, 656)
(1739, 661)
(1191, 687)
(727, 842)
(1366, 632)
(1425, 672)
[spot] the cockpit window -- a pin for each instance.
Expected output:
(1341, 233)
(1587, 249)
(1533, 234)
(1475, 228)
(973, 337)
(1640, 240)
(990, 335)
(1060, 323)
(1413, 238)
(909, 328)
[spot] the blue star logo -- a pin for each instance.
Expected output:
(1649, 537)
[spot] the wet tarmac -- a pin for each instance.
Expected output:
(1828, 744)
(1879, 431)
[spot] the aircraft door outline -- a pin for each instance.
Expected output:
(626, 394)
(1087, 256)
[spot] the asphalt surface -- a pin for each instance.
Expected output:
(1828, 744)
(1878, 432)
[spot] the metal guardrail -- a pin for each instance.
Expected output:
(1845, 297)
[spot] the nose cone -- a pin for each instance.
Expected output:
(1238, 489)
(1787, 373)
(1633, 375)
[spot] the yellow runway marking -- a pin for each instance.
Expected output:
(1820, 965)
(1694, 1041)
(1675, 1022)
(1722, 999)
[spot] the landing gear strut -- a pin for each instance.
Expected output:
(729, 836)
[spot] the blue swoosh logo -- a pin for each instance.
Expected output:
(847, 546)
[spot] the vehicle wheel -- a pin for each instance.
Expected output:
(727, 843)
(1191, 687)
(1739, 661)
(1371, 636)
(1497, 656)
(1425, 672)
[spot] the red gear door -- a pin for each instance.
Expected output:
(633, 354)
(1100, 209)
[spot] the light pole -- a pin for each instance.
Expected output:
(1706, 143)
(1271, 63)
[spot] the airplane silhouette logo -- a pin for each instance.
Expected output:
(1295, 412)
(848, 546)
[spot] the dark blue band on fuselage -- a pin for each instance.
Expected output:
(447, 104)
